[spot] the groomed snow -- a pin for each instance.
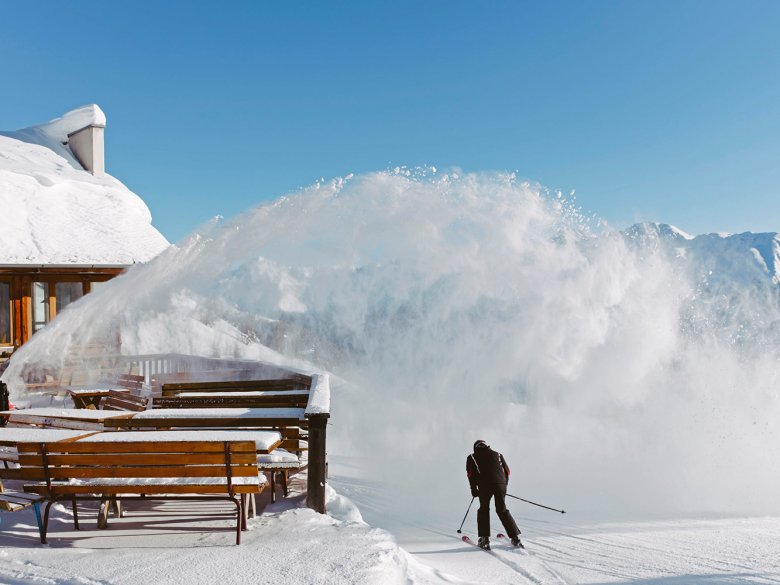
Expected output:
(55, 212)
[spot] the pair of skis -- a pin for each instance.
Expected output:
(499, 536)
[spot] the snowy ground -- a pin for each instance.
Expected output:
(189, 543)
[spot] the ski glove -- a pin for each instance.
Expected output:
(474, 492)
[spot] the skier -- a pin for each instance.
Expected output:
(488, 475)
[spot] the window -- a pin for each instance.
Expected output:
(66, 293)
(6, 331)
(40, 305)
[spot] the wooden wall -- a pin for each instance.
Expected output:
(21, 278)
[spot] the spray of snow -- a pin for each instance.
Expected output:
(627, 373)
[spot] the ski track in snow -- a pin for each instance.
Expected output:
(570, 552)
(525, 564)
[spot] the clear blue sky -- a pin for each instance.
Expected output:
(664, 110)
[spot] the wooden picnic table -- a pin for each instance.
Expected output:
(166, 418)
(90, 396)
(64, 418)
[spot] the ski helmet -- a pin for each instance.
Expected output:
(479, 443)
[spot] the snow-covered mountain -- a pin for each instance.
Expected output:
(55, 212)
(745, 257)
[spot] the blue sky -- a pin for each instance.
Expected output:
(663, 111)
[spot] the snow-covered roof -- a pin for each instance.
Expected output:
(55, 212)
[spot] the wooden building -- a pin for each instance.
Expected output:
(31, 296)
(65, 226)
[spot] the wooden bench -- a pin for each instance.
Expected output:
(121, 400)
(169, 470)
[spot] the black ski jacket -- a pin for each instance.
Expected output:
(486, 469)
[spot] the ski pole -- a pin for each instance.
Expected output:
(467, 513)
(535, 504)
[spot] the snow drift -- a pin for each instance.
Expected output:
(628, 373)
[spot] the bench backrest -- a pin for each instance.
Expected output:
(90, 460)
(292, 383)
(157, 380)
(118, 400)
(130, 381)
(277, 400)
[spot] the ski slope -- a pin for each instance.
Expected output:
(568, 550)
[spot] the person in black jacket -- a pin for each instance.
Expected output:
(488, 476)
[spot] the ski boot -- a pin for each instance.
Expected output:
(516, 542)
(483, 542)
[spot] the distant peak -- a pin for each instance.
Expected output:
(659, 229)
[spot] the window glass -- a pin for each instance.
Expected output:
(40, 305)
(6, 335)
(66, 293)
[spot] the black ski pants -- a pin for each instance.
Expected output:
(483, 514)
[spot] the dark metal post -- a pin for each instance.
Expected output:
(315, 497)
(3, 401)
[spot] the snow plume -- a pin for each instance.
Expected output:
(626, 373)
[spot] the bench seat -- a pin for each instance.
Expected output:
(13, 501)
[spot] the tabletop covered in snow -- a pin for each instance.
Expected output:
(265, 440)
(32, 434)
(65, 413)
(217, 413)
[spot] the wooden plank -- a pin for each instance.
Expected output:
(274, 401)
(23, 473)
(186, 447)
(229, 385)
(168, 423)
(168, 471)
(109, 459)
(144, 489)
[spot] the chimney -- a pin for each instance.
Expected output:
(87, 146)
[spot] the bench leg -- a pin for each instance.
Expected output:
(37, 508)
(273, 487)
(116, 507)
(46, 521)
(239, 519)
(252, 506)
(75, 513)
(284, 482)
(102, 520)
